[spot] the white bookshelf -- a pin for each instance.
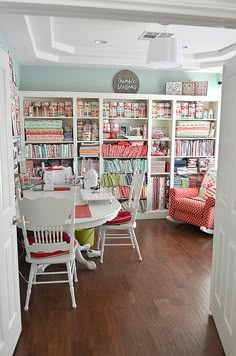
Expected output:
(169, 123)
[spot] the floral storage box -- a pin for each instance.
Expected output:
(201, 88)
(189, 88)
(174, 88)
(195, 88)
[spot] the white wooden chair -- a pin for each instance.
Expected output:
(124, 222)
(52, 240)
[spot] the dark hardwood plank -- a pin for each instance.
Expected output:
(155, 307)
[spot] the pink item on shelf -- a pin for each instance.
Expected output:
(60, 189)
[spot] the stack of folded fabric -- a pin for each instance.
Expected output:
(180, 167)
(177, 182)
(192, 165)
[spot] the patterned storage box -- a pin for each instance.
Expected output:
(174, 88)
(189, 88)
(201, 88)
(195, 88)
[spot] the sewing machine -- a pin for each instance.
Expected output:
(56, 176)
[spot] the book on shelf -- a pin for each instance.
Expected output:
(49, 150)
(194, 147)
(116, 179)
(160, 192)
(127, 151)
(126, 166)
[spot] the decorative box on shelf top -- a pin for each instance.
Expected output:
(199, 88)
(174, 88)
(195, 88)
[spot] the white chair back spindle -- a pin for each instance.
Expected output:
(137, 185)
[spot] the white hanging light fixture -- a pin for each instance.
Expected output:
(164, 53)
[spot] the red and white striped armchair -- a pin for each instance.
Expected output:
(193, 205)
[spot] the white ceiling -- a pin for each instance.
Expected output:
(52, 39)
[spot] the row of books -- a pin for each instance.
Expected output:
(122, 192)
(126, 166)
(129, 151)
(116, 179)
(188, 182)
(160, 192)
(195, 147)
(49, 151)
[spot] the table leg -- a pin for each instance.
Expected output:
(78, 256)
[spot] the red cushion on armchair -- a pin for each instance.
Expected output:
(190, 206)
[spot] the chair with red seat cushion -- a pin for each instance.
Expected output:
(124, 221)
(50, 240)
(195, 206)
(44, 254)
(123, 216)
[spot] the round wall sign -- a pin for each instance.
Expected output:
(125, 81)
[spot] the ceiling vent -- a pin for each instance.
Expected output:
(151, 35)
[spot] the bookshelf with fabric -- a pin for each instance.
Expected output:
(118, 134)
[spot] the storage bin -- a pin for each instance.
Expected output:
(85, 236)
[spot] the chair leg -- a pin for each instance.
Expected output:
(136, 244)
(99, 238)
(103, 237)
(131, 238)
(74, 271)
(33, 268)
(70, 278)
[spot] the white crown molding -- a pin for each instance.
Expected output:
(227, 52)
(59, 45)
(39, 54)
(208, 13)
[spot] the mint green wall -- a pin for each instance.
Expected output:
(100, 79)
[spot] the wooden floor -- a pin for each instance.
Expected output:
(151, 308)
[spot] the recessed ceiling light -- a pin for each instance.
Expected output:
(100, 41)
